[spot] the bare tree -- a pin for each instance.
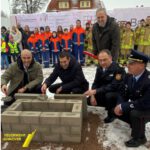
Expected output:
(27, 6)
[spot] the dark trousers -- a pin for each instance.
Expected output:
(78, 51)
(77, 90)
(137, 120)
(107, 100)
(45, 58)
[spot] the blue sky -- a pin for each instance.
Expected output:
(109, 4)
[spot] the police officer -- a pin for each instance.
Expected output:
(134, 104)
(71, 74)
(108, 79)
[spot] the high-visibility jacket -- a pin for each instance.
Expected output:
(55, 44)
(33, 44)
(44, 43)
(146, 39)
(13, 48)
(48, 35)
(141, 36)
(88, 39)
(66, 41)
(71, 32)
(4, 48)
(137, 34)
(78, 36)
(59, 34)
(127, 40)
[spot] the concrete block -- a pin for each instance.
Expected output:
(26, 104)
(6, 127)
(17, 106)
(75, 97)
(30, 117)
(60, 129)
(23, 100)
(68, 96)
(40, 105)
(69, 107)
(76, 130)
(21, 127)
(42, 97)
(71, 138)
(77, 108)
(51, 137)
(31, 96)
(26, 96)
(57, 105)
(42, 129)
(70, 119)
(50, 118)
(10, 116)
(69, 101)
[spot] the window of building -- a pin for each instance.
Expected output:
(85, 4)
(63, 5)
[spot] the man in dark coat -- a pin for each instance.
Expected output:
(108, 80)
(71, 74)
(134, 104)
(106, 34)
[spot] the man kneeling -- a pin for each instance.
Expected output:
(25, 76)
(71, 74)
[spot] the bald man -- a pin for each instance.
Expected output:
(25, 76)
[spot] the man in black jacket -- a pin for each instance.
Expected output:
(133, 105)
(108, 80)
(71, 74)
(106, 34)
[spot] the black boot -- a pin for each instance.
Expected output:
(110, 117)
(135, 142)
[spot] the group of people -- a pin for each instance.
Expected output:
(44, 44)
(124, 95)
(106, 33)
(138, 38)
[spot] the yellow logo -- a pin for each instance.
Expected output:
(28, 139)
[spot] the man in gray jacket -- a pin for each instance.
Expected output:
(23, 76)
(106, 34)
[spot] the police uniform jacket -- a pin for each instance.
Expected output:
(137, 97)
(109, 81)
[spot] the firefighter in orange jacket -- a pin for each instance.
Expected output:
(34, 46)
(44, 45)
(66, 41)
(55, 47)
(78, 38)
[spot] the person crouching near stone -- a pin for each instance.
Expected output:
(25, 76)
(71, 75)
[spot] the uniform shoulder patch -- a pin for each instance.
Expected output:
(118, 76)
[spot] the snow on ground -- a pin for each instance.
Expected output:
(114, 134)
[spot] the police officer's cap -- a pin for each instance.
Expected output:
(137, 56)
